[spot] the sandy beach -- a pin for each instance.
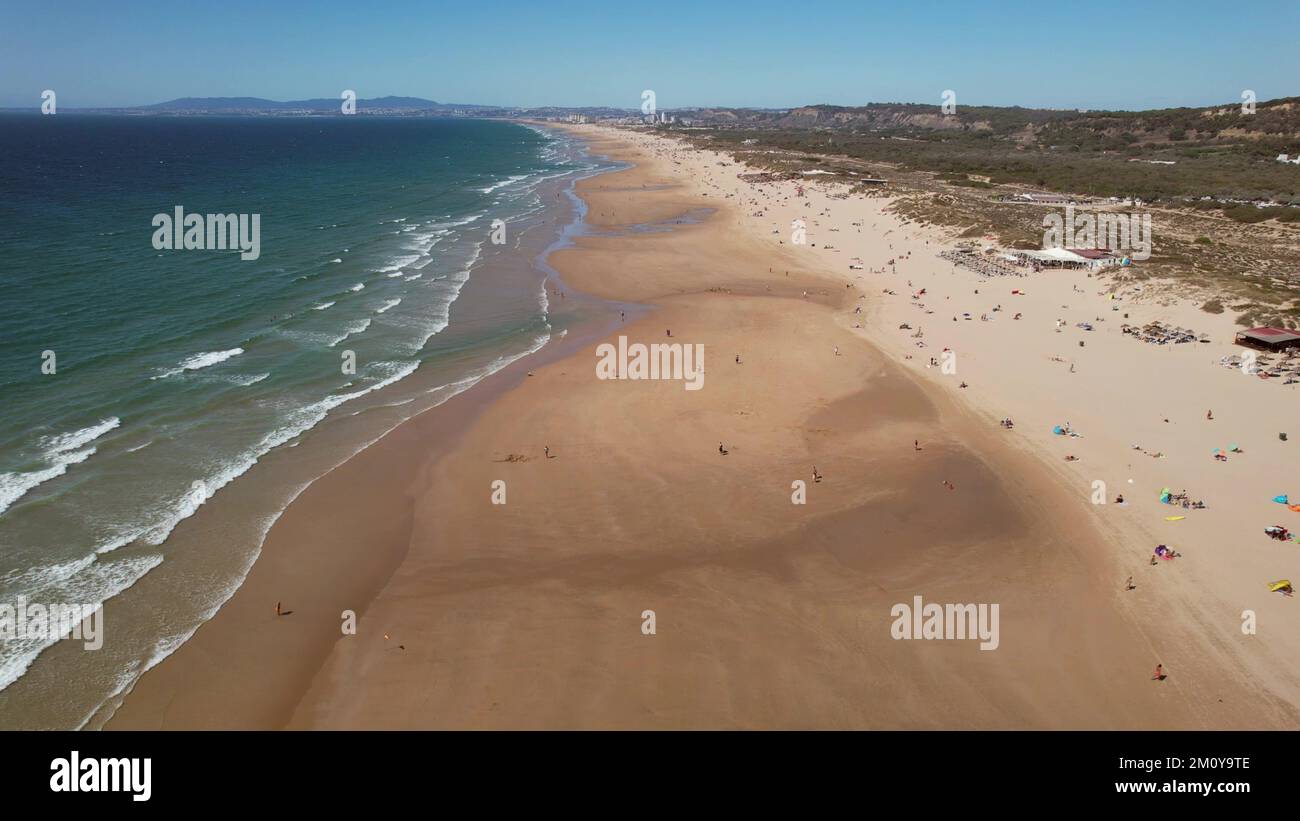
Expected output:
(529, 611)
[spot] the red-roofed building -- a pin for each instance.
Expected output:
(1268, 338)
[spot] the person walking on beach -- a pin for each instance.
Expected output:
(1209, 415)
(1129, 585)
(1160, 673)
(817, 477)
(721, 449)
(547, 450)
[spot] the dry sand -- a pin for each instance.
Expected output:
(768, 614)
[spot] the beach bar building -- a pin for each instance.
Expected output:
(1097, 257)
(1269, 338)
(1067, 258)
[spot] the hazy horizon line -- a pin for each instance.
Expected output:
(36, 106)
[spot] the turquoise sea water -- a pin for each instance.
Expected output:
(175, 371)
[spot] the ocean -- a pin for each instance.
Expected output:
(138, 383)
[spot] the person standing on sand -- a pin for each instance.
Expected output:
(547, 450)
(1209, 415)
(1129, 585)
(1160, 673)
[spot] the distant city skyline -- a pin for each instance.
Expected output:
(760, 54)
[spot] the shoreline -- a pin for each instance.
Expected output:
(550, 589)
(295, 541)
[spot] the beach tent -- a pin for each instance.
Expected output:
(1058, 430)
(1280, 584)
(1282, 500)
(1164, 495)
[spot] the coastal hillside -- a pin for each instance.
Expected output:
(1220, 152)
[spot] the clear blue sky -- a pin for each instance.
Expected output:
(1094, 54)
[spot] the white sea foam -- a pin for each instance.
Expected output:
(456, 223)
(58, 453)
(392, 303)
(357, 287)
(45, 575)
(199, 361)
(94, 582)
(397, 263)
(323, 306)
(440, 317)
(54, 445)
(503, 183)
(353, 329)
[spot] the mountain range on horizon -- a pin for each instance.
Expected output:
(315, 104)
